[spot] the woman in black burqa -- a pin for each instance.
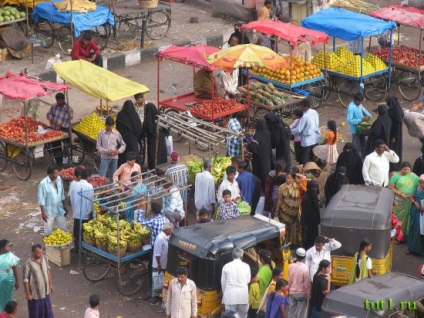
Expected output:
(310, 217)
(128, 124)
(280, 139)
(396, 115)
(261, 150)
(350, 159)
(334, 183)
(150, 132)
(380, 129)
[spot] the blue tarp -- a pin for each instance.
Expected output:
(346, 25)
(81, 21)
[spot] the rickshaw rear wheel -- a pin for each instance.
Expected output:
(94, 269)
(130, 277)
(22, 164)
(346, 90)
(176, 136)
(409, 85)
(3, 157)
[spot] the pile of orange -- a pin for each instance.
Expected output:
(296, 71)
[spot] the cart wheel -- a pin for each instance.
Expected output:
(77, 151)
(131, 277)
(346, 90)
(260, 113)
(22, 164)
(100, 35)
(126, 30)
(94, 269)
(409, 85)
(45, 32)
(95, 162)
(176, 137)
(375, 88)
(66, 39)
(316, 91)
(3, 156)
(158, 24)
(329, 87)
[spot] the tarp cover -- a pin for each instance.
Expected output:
(291, 33)
(400, 14)
(96, 81)
(346, 25)
(81, 21)
(23, 88)
(191, 55)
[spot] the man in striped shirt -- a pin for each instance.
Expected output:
(179, 174)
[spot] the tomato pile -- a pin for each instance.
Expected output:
(217, 107)
(98, 181)
(69, 174)
(403, 55)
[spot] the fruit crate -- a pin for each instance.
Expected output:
(59, 255)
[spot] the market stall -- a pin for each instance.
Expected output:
(24, 139)
(103, 85)
(300, 75)
(410, 61)
(111, 243)
(351, 72)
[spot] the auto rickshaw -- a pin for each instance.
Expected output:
(355, 213)
(393, 295)
(205, 248)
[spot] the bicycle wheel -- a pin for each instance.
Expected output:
(131, 277)
(95, 162)
(66, 39)
(22, 164)
(316, 91)
(375, 88)
(409, 85)
(3, 156)
(158, 24)
(126, 30)
(100, 35)
(45, 32)
(346, 90)
(176, 136)
(94, 269)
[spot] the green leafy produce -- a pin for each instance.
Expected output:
(219, 164)
(244, 207)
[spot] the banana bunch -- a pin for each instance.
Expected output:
(101, 236)
(113, 243)
(89, 231)
(97, 209)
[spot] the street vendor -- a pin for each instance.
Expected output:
(226, 84)
(123, 174)
(86, 49)
(202, 84)
(60, 116)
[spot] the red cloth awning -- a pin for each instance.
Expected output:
(23, 88)
(291, 33)
(190, 55)
(400, 14)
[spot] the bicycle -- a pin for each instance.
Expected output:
(410, 84)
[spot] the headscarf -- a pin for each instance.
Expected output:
(274, 127)
(386, 122)
(129, 118)
(150, 114)
(422, 177)
(395, 111)
(312, 192)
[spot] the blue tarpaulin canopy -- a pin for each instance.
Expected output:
(346, 25)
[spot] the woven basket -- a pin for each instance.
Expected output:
(102, 247)
(119, 252)
(134, 248)
(148, 4)
(92, 243)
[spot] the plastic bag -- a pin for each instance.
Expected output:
(169, 145)
(421, 224)
(415, 123)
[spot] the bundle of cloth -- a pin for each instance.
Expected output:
(81, 6)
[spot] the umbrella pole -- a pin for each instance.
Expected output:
(158, 83)
(213, 95)
(248, 93)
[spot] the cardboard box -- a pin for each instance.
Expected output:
(61, 256)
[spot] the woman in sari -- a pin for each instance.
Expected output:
(288, 209)
(415, 239)
(403, 185)
(8, 273)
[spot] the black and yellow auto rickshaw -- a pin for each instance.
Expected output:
(353, 214)
(393, 295)
(205, 248)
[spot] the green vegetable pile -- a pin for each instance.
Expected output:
(8, 13)
(364, 126)
(244, 207)
(265, 94)
(219, 164)
(104, 231)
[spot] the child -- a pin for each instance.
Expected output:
(133, 192)
(204, 217)
(228, 209)
(297, 115)
(254, 294)
(277, 305)
(327, 151)
(251, 129)
(93, 310)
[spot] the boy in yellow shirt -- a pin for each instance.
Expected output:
(254, 295)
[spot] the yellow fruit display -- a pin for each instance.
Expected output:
(325, 60)
(58, 237)
(91, 126)
(296, 71)
(376, 62)
(343, 53)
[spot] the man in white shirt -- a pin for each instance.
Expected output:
(235, 281)
(231, 184)
(376, 167)
(322, 250)
(204, 189)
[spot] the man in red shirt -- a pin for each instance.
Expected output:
(86, 49)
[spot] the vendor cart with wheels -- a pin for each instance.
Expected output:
(300, 76)
(408, 62)
(104, 85)
(24, 139)
(111, 243)
(351, 72)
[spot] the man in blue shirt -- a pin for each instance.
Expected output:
(308, 128)
(357, 113)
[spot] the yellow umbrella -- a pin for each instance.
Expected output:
(246, 55)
